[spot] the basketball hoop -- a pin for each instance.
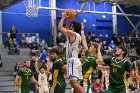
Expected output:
(32, 7)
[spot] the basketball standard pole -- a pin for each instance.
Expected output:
(53, 22)
(0, 27)
(94, 12)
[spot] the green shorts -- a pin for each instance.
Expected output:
(117, 89)
(60, 88)
(25, 89)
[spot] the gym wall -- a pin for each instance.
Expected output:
(101, 24)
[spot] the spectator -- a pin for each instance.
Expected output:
(7, 40)
(17, 67)
(34, 49)
(23, 42)
(43, 45)
(97, 86)
(29, 41)
(13, 32)
(105, 48)
(16, 46)
(13, 47)
(112, 47)
(90, 35)
(96, 40)
(37, 40)
(61, 41)
(44, 56)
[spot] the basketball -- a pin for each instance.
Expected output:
(71, 14)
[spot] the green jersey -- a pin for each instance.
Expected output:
(118, 70)
(25, 77)
(88, 66)
(58, 74)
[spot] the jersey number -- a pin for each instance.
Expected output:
(114, 69)
(27, 77)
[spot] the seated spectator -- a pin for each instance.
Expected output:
(96, 39)
(61, 41)
(13, 32)
(7, 40)
(90, 35)
(16, 46)
(29, 41)
(34, 49)
(43, 45)
(37, 40)
(105, 48)
(44, 56)
(97, 86)
(17, 67)
(23, 42)
(112, 47)
(13, 47)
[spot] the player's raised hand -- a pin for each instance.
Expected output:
(82, 26)
(64, 15)
(48, 59)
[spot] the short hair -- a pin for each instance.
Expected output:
(26, 60)
(123, 49)
(76, 26)
(55, 51)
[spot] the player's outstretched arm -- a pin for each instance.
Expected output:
(99, 55)
(49, 65)
(36, 66)
(34, 80)
(83, 37)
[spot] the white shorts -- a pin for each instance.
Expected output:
(74, 68)
(43, 88)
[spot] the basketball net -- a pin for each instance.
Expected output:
(32, 7)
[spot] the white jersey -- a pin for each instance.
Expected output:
(42, 79)
(73, 47)
(74, 64)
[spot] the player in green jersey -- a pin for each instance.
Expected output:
(93, 58)
(118, 68)
(58, 71)
(26, 75)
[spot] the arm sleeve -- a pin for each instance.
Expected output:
(128, 66)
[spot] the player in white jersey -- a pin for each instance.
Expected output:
(42, 77)
(74, 40)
